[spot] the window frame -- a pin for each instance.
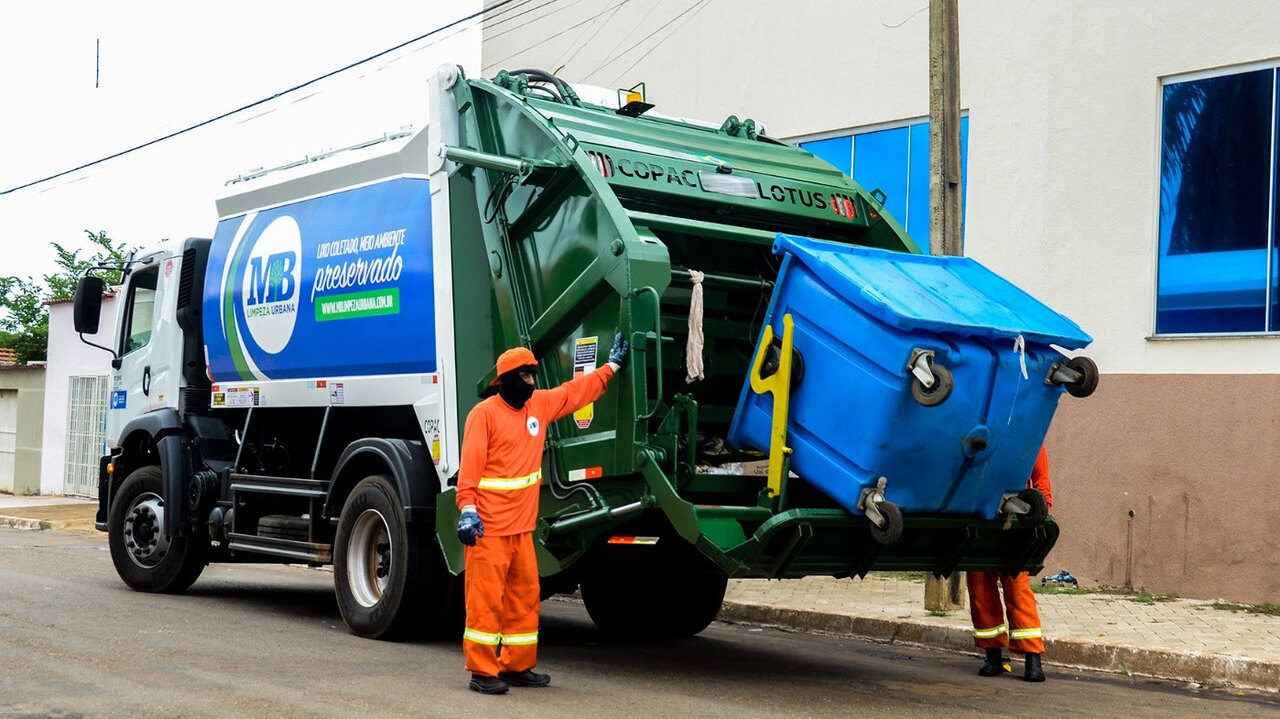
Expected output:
(1164, 81)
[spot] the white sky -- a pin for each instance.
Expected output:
(167, 65)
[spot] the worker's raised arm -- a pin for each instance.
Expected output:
(580, 391)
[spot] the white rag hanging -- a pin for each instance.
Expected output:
(693, 348)
(1020, 348)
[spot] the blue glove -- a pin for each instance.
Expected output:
(621, 348)
(470, 528)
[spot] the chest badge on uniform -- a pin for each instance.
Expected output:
(532, 424)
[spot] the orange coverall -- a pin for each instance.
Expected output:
(1023, 633)
(500, 474)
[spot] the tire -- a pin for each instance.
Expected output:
(773, 362)
(283, 526)
(144, 558)
(1088, 381)
(389, 576)
(893, 524)
(939, 392)
(646, 598)
(1039, 507)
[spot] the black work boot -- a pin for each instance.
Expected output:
(526, 678)
(994, 665)
(1033, 672)
(488, 685)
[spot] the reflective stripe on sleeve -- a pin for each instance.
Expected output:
(988, 633)
(520, 639)
(1032, 633)
(508, 484)
(479, 637)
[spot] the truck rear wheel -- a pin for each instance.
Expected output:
(649, 599)
(144, 557)
(389, 575)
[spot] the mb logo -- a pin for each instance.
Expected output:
(270, 285)
(271, 278)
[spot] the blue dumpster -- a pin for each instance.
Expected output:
(931, 372)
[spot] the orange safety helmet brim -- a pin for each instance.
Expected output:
(514, 358)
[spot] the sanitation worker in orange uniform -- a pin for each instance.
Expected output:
(1022, 634)
(498, 486)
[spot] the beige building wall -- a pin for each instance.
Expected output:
(1063, 191)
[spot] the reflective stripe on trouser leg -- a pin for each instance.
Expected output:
(1025, 635)
(486, 569)
(986, 610)
(520, 608)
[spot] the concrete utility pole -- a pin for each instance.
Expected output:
(944, 198)
(944, 129)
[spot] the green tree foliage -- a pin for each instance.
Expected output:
(24, 316)
(24, 324)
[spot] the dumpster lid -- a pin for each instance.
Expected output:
(934, 293)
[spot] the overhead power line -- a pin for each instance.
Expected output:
(490, 8)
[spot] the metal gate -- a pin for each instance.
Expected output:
(86, 434)
(8, 438)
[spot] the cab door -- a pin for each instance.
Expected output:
(144, 370)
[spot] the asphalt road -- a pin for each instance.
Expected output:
(267, 641)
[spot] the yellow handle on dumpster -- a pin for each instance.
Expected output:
(779, 383)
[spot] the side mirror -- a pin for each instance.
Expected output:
(88, 304)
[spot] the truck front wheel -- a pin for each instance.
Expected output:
(145, 558)
(389, 575)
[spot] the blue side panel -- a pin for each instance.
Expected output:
(917, 220)
(836, 150)
(339, 285)
(880, 162)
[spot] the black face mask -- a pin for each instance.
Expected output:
(514, 390)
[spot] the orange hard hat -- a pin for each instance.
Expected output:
(514, 358)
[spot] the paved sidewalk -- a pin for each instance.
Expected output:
(1181, 639)
(1185, 640)
(42, 511)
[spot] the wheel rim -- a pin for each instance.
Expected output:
(144, 538)
(369, 558)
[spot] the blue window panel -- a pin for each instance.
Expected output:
(917, 219)
(1214, 204)
(880, 160)
(837, 150)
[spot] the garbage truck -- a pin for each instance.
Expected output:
(808, 393)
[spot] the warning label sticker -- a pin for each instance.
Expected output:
(585, 351)
(337, 393)
(242, 397)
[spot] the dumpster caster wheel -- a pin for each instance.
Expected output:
(1039, 507)
(1088, 382)
(936, 394)
(773, 360)
(891, 530)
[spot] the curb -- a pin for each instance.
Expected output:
(29, 524)
(1171, 665)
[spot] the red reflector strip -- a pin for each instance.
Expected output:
(579, 475)
(633, 540)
